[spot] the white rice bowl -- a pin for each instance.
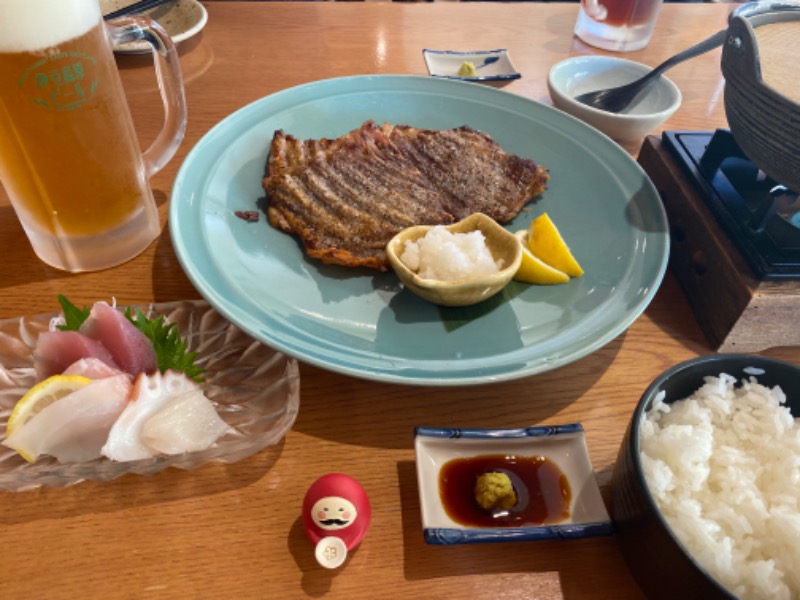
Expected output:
(724, 468)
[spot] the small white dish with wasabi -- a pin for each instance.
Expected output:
(502, 485)
(480, 66)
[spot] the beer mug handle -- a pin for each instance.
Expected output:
(170, 84)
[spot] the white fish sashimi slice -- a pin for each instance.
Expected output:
(150, 393)
(93, 368)
(74, 428)
(187, 423)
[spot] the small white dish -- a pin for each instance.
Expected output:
(564, 445)
(461, 292)
(181, 19)
(579, 74)
(490, 65)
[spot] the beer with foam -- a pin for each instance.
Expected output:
(69, 155)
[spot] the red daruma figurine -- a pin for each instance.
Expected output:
(336, 516)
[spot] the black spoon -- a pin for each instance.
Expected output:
(615, 100)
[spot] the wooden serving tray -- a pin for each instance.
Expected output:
(736, 311)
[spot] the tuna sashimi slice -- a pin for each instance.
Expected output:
(187, 423)
(74, 428)
(150, 393)
(57, 350)
(132, 350)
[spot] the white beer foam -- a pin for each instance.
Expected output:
(30, 25)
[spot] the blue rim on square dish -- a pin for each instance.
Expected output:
(445, 64)
(563, 444)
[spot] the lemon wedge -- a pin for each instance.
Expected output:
(545, 241)
(534, 270)
(39, 397)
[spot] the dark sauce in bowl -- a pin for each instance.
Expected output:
(543, 492)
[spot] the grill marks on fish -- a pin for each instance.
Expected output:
(346, 198)
(502, 179)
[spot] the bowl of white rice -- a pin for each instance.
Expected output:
(706, 487)
(456, 265)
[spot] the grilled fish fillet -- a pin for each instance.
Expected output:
(346, 198)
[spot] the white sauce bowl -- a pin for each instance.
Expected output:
(579, 74)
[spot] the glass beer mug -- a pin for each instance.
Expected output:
(69, 155)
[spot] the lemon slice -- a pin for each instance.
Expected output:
(534, 270)
(545, 241)
(39, 397)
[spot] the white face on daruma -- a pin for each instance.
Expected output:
(30, 25)
(333, 513)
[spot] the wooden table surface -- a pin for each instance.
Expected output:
(234, 531)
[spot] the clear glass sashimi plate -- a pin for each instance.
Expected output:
(253, 387)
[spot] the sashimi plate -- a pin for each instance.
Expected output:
(364, 323)
(255, 389)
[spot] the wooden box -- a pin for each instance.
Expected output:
(736, 311)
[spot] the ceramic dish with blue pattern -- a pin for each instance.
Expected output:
(490, 65)
(445, 457)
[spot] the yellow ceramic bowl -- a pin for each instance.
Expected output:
(462, 292)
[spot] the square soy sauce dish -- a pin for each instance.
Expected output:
(490, 66)
(502, 485)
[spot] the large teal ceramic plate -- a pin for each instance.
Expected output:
(364, 323)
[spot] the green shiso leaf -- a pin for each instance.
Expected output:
(73, 316)
(171, 350)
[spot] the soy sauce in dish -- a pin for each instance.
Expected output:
(543, 492)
